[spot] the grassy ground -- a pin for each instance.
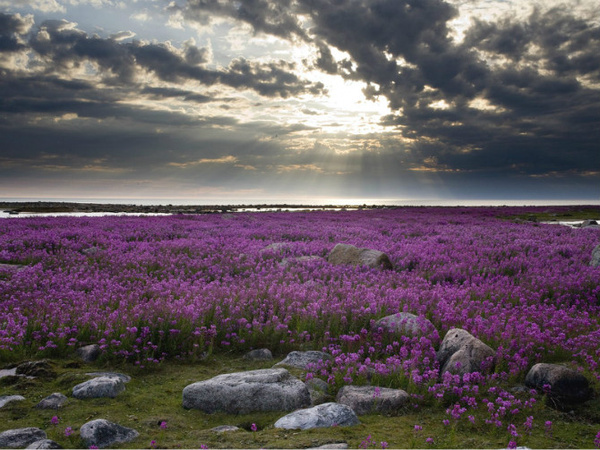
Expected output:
(560, 214)
(155, 396)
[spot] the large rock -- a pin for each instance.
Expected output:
(53, 401)
(247, 392)
(301, 360)
(99, 387)
(318, 390)
(320, 416)
(461, 352)
(41, 369)
(259, 354)
(6, 399)
(45, 444)
(595, 261)
(89, 353)
(121, 376)
(21, 437)
(567, 387)
(102, 433)
(405, 324)
(350, 255)
(371, 399)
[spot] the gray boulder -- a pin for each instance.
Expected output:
(301, 360)
(567, 387)
(320, 416)
(259, 354)
(41, 369)
(224, 428)
(370, 399)
(406, 324)
(44, 443)
(6, 399)
(247, 392)
(121, 376)
(317, 389)
(21, 437)
(595, 261)
(461, 352)
(89, 353)
(53, 401)
(346, 254)
(99, 387)
(102, 433)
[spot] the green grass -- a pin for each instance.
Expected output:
(155, 395)
(560, 214)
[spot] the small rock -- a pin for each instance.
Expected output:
(53, 401)
(21, 437)
(567, 387)
(44, 443)
(595, 261)
(8, 372)
(247, 392)
(346, 254)
(317, 389)
(461, 352)
(340, 445)
(89, 353)
(406, 324)
(588, 223)
(98, 388)
(6, 399)
(372, 399)
(320, 416)
(121, 376)
(102, 433)
(279, 247)
(90, 251)
(224, 428)
(301, 360)
(260, 354)
(41, 369)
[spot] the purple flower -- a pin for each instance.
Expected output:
(54, 420)
(429, 440)
(512, 444)
(163, 425)
(253, 427)
(68, 431)
(597, 440)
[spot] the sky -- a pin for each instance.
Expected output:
(300, 100)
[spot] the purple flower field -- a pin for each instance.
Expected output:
(149, 289)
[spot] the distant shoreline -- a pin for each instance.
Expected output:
(49, 207)
(72, 207)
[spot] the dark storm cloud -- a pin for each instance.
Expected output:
(271, 17)
(518, 94)
(12, 27)
(63, 47)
